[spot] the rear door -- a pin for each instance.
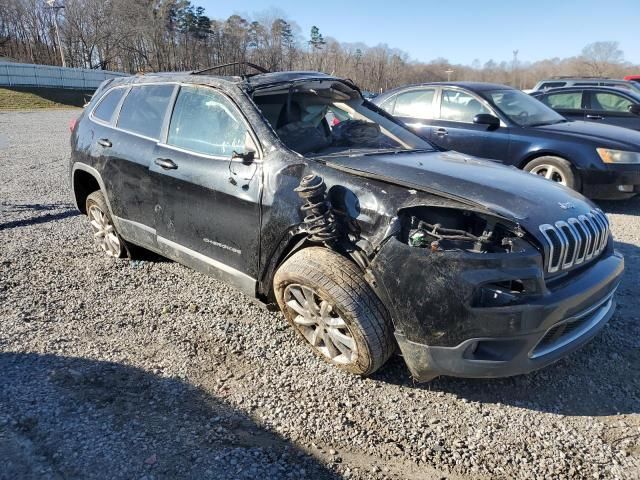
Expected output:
(454, 128)
(128, 147)
(416, 108)
(613, 109)
(207, 202)
(571, 104)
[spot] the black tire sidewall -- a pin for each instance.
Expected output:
(366, 362)
(363, 363)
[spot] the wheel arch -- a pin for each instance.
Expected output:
(294, 241)
(84, 181)
(530, 156)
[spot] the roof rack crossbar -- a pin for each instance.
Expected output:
(232, 64)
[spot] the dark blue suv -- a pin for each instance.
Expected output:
(499, 122)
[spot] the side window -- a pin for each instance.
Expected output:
(204, 121)
(610, 102)
(144, 108)
(104, 110)
(388, 104)
(565, 101)
(415, 103)
(457, 106)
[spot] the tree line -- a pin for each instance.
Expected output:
(173, 35)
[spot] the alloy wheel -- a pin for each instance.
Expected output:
(320, 324)
(550, 172)
(104, 232)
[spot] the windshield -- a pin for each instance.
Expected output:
(327, 118)
(523, 109)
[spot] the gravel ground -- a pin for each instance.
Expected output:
(146, 369)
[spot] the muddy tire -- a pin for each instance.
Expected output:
(327, 301)
(556, 169)
(104, 231)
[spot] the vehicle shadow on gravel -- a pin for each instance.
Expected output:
(59, 211)
(63, 417)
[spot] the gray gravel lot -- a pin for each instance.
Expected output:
(146, 369)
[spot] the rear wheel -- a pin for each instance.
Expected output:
(555, 169)
(104, 232)
(327, 301)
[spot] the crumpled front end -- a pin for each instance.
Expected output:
(489, 312)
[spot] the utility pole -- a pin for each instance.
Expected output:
(449, 71)
(57, 8)
(515, 68)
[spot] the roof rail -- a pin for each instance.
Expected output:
(561, 77)
(235, 68)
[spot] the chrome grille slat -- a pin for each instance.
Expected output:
(574, 241)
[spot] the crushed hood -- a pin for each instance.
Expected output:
(506, 191)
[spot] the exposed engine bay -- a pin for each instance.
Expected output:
(441, 229)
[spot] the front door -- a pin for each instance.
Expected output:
(207, 211)
(455, 130)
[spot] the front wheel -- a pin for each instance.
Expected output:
(327, 301)
(555, 169)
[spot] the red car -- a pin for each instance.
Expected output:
(633, 78)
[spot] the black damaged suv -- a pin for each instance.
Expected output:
(296, 190)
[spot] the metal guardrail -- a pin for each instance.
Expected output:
(31, 75)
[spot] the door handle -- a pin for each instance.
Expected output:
(595, 117)
(104, 142)
(441, 132)
(166, 163)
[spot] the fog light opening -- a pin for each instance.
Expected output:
(625, 188)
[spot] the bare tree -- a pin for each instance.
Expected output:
(168, 35)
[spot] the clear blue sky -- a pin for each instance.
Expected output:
(462, 30)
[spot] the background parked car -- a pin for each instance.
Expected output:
(610, 105)
(560, 82)
(633, 78)
(499, 122)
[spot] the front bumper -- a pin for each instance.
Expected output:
(503, 357)
(441, 331)
(616, 181)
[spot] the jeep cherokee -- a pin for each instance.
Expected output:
(296, 190)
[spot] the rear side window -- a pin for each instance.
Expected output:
(566, 101)
(415, 103)
(610, 102)
(108, 104)
(144, 108)
(204, 121)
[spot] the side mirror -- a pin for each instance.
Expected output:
(487, 119)
(635, 108)
(246, 157)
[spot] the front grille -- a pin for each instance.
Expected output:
(575, 240)
(567, 331)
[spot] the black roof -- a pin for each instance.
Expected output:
(255, 81)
